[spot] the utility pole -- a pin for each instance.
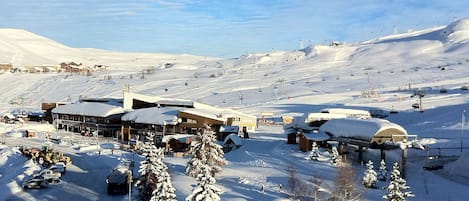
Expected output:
(97, 139)
(463, 121)
(129, 180)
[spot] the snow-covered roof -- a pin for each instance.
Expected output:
(235, 138)
(302, 122)
(229, 129)
(364, 129)
(180, 137)
(89, 109)
(205, 113)
(347, 112)
(154, 115)
(129, 97)
(315, 116)
(175, 102)
(320, 136)
(8, 115)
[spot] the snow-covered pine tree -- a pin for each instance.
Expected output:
(205, 151)
(383, 171)
(397, 187)
(205, 189)
(314, 154)
(147, 180)
(164, 188)
(370, 177)
(154, 182)
(335, 156)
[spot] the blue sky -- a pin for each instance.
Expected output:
(223, 28)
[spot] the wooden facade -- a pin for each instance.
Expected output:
(192, 122)
(6, 67)
(47, 109)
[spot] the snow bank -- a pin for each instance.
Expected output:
(460, 166)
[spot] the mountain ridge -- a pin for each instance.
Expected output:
(303, 76)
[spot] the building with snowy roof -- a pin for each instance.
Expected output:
(216, 117)
(193, 115)
(350, 113)
(158, 120)
(375, 131)
(169, 116)
(88, 117)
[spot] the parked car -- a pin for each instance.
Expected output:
(117, 181)
(50, 176)
(58, 167)
(36, 182)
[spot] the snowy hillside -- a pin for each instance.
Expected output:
(23, 48)
(435, 58)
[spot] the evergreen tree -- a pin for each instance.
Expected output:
(148, 179)
(205, 189)
(397, 187)
(383, 171)
(370, 177)
(314, 154)
(155, 182)
(205, 151)
(164, 190)
(335, 156)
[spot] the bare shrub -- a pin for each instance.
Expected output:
(345, 187)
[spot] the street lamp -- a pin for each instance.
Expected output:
(97, 139)
(129, 180)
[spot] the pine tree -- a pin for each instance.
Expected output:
(205, 151)
(205, 189)
(397, 187)
(147, 181)
(383, 171)
(155, 182)
(335, 156)
(164, 190)
(314, 154)
(370, 177)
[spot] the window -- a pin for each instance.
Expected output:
(191, 121)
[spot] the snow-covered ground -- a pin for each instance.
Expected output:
(286, 83)
(262, 161)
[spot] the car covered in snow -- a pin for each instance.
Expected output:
(117, 181)
(50, 176)
(59, 167)
(35, 182)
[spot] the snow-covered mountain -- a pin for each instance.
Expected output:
(378, 73)
(22, 48)
(435, 57)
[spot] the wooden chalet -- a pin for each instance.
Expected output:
(73, 67)
(6, 67)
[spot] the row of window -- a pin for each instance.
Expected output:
(83, 118)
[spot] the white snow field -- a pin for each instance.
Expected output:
(381, 73)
